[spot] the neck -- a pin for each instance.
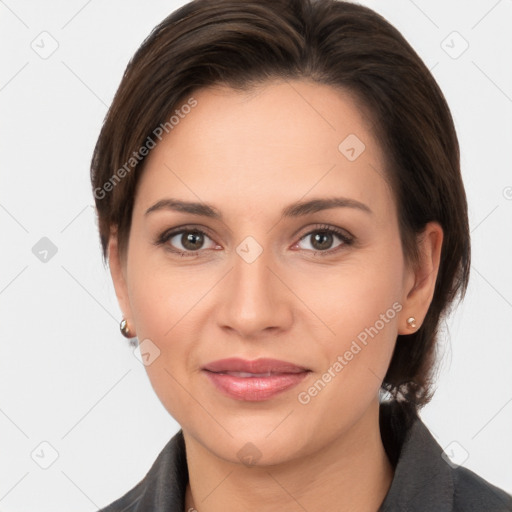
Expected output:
(352, 473)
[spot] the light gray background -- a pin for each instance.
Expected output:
(67, 376)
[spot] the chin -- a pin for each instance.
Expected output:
(256, 439)
(256, 450)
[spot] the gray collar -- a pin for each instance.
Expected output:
(423, 481)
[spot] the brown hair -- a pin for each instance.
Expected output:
(245, 43)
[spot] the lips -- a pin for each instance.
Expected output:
(257, 366)
(256, 380)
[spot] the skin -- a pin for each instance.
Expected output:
(251, 154)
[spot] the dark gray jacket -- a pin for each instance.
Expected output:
(423, 481)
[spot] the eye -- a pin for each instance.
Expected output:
(187, 241)
(324, 239)
(191, 241)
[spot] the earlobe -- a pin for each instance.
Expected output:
(118, 273)
(424, 277)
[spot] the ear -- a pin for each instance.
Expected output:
(117, 266)
(420, 281)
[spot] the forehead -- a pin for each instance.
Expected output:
(275, 143)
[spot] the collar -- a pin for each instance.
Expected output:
(422, 480)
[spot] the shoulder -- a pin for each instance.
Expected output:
(128, 502)
(163, 487)
(425, 479)
(473, 494)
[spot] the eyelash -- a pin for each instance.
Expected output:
(345, 238)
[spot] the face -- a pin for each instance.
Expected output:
(292, 253)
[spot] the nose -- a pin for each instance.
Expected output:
(254, 301)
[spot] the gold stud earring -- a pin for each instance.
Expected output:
(125, 330)
(411, 322)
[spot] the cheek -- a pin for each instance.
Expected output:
(359, 306)
(355, 295)
(168, 308)
(162, 294)
(160, 304)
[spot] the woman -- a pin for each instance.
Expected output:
(280, 202)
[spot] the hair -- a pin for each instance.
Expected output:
(243, 44)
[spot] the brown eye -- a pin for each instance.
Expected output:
(325, 240)
(187, 241)
(192, 241)
(321, 241)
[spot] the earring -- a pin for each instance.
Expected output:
(125, 330)
(411, 322)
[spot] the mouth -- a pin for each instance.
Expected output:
(257, 380)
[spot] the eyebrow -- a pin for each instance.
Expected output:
(193, 208)
(294, 210)
(317, 205)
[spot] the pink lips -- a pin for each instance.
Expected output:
(255, 380)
